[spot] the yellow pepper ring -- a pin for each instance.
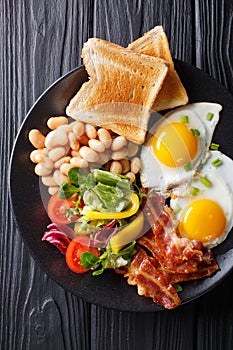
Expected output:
(92, 214)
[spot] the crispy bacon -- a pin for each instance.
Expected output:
(174, 253)
(151, 282)
(203, 270)
(164, 259)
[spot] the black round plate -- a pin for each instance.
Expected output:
(108, 290)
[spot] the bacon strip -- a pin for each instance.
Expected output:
(151, 282)
(176, 254)
(173, 259)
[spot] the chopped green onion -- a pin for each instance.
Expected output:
(206, 182)
(195, 191)
(195, 132)
(188, 167)
(184, 119)
(209, 116)
(214, 146)
(216, 162)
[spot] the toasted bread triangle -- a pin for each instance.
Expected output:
(154, 43)
(118, 75)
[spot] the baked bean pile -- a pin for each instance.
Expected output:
(81, 145)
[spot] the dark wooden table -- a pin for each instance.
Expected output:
(40, 41)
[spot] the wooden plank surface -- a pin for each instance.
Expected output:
(40, 41)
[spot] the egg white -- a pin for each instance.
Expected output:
(161, 177)
(221, 191)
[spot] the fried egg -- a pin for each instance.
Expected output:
(204, 207)
(177, 144)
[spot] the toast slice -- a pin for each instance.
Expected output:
(155, 43)
(118, 76)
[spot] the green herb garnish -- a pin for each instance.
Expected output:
(76, 176)
(216, 162)
(109, 259)
(66, 190)
(184, 119)
(195, 132)
(206, 182)
(177, 287)
(111, 179)
(195, 191)
(214, 146)
(209, 116)
(80, 182)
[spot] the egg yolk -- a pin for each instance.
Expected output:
(174, 144)
(204, 220)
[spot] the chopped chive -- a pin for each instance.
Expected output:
(188, 167)
(195, 191)
(216, 162)
(209, 116)
(184, 119)
(195, 132)
(206, 182)
(214, 146)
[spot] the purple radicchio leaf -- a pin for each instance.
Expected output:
(102, 236)
(56, 237)
(62, 228)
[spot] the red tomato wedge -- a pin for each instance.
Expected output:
(56, 208)
(76, 247)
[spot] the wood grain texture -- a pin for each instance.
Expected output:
(40, 41)
(214, 39)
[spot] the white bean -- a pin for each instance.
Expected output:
(48, 181)
(78, 129)
(116, 167)
(65, 128)
(90, 131)
(40, 170)
(118, 143)
(46, 162)
(35, 155)
(45, 151)
(131, 176)
(88, 154)
(74, 153)
(121, 154)
(104, 158)
(132, 149)
(96, 145)
(135, 165)
(125, 166)
(65, 167)
(105, 137)
(52, 190)
(36, 138)
(57, 153)
(74, 144)
(58, 163)
(56, 138)
(79, 162)
(54, 122)
(59, 178)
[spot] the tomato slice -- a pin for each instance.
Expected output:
(76, 247)
(56, 206)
